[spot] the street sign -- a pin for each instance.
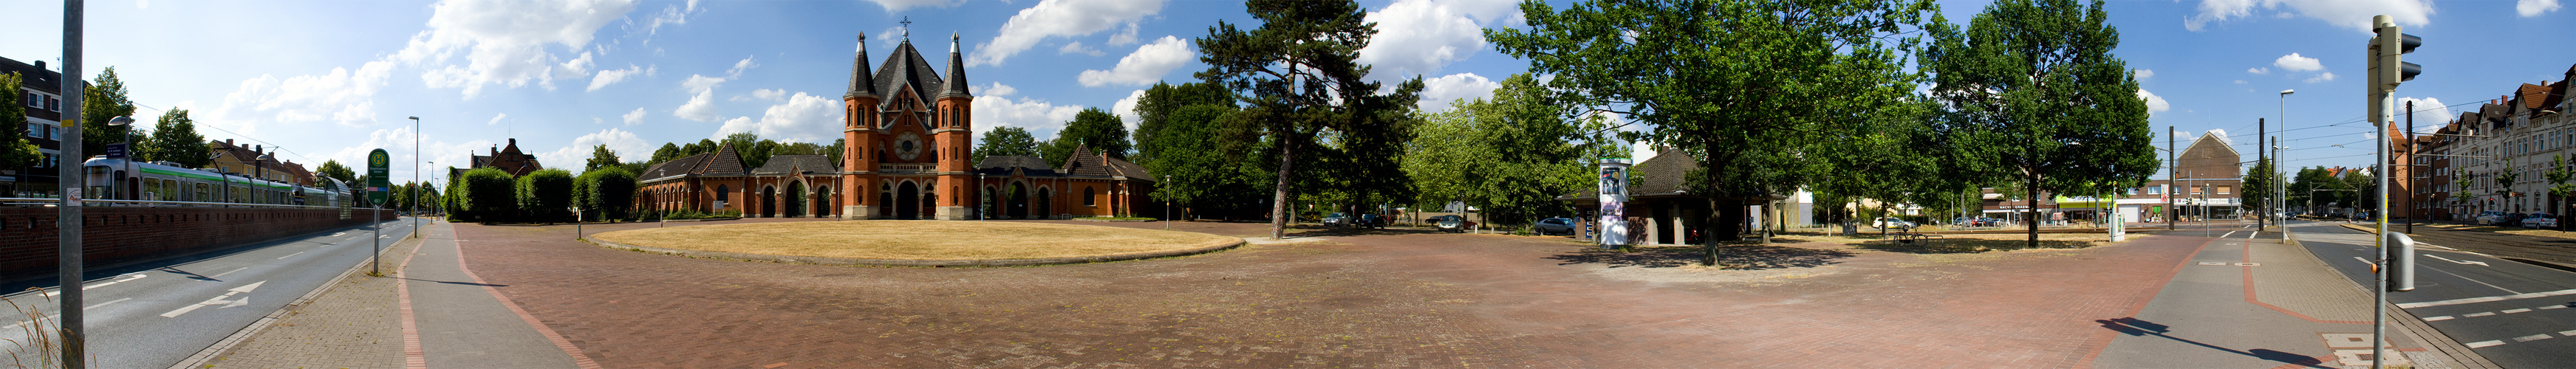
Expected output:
(376, 172)
(116, 151)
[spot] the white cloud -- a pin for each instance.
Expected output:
(634, 117)
(1148, 64)
(2322, 77)
(1126, 109)
(574, 157)
(892, 6)
(802, 118)
(1418, 37)
(701, 83)
(701, 107)
(2155, 104)
(2258, 70)
(2240, 81)
(1438, 93)
(740, 66)
(2430, 114)
(505, 41)
(1077, 48)
(1124, 38)
(342, 97)
(2143, 74)
(1025, 113)
(2354, 14)
(401, 143)
(1058, 18)
(768, 94)
(998, 89)
(670, 15)
(612, 76)
(496, 119)
(2296, 63)
(2534, 8)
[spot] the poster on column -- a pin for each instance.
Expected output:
(1614, 202)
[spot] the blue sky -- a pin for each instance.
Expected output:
(333, 79)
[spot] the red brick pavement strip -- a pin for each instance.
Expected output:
(413, 357)
(1371, 300)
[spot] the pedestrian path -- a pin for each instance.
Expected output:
(431, 310)
(2258, 302)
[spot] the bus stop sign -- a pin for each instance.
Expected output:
(376, 173)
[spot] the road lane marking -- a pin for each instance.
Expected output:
(2473, 300)
(290, 255)
(2552, 307)
(59, 316)
(218, 300)
(2569, 333)
(2530, 338)
(2457, 275)
(2229, 234)
(222, 274)
(2250, 236)
(2439, 318)
(2510, 311)
(2480, 344)
(2479, 263)
(2477, 314)
(123, 278)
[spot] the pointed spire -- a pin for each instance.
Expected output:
(860, 84)
(956, 83)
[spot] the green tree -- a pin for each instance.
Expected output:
(1509, 156)
(486, 195)
(2504, 180)
(175, 139)
(833, 152)
(753, 150)
(1004, 141)
(1154, 109)
(15, 152)
(2034, 92)
(1743, 87)
(2558, 186)
(608, 193)
(1301, 81)
(105, 99)
(545, 195)
(2258, 187)
(667, 152)
(600, 157)
(1198, 173)
(1097, 129)
(334, 170)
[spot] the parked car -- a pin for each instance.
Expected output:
(2540, 220)
(1886, 222)
(1337, 220)
(2511, 219)
(1551, 226)
(1451, 223)
(2489, 217)
(1370, 221)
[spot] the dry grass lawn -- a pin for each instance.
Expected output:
(916, 239)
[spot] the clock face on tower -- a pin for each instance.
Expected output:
(907, 146)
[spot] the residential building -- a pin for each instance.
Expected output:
(506, 158)
(257, 161)
(40, 91)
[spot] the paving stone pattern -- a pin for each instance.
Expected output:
(1384, 298)
(354, 325)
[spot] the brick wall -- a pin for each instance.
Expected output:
(112, 235)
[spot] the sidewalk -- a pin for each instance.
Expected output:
(2261, 303)
(430, 311)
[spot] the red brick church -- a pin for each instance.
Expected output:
(910, 135)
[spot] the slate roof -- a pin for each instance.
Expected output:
(797, 164)
(956, 85)
(906, 68)
(1087, 163)
(860, 84)
(1002, 165)
(723, 162)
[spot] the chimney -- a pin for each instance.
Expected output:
(40, 65)
(228, 142)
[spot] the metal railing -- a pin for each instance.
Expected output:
(51, 202)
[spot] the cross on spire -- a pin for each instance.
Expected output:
(907, 27)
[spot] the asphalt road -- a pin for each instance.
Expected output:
(2517, 315)
(156, 314)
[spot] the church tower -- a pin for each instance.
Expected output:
(908, 137)
(953, 135)
(858, 177)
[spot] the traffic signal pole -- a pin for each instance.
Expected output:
(2396, 250)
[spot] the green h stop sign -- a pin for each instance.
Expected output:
(376, 182)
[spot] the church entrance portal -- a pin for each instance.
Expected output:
(795, 200)
(907, 202)
(1019, 202)
(769, 202)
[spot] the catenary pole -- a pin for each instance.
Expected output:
(70, 180)
(2172, 170)
(2261, 156)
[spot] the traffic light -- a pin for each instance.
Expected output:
(2386, 70)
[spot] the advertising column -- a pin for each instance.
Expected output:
(1614, 199)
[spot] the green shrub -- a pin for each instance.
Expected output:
(546, 195)
(488, 195)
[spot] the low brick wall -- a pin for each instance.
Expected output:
(30, 242)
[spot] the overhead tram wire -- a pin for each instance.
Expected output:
(272, 145)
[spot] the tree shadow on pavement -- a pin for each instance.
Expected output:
(1747, 257)
(1966, 245)
(1307, 231)
(2136, 327)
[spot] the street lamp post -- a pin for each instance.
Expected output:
(415, 179)
(1167, 203)
(2278, 187)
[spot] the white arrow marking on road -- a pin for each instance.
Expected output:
(219, 300)
(2479, 263)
